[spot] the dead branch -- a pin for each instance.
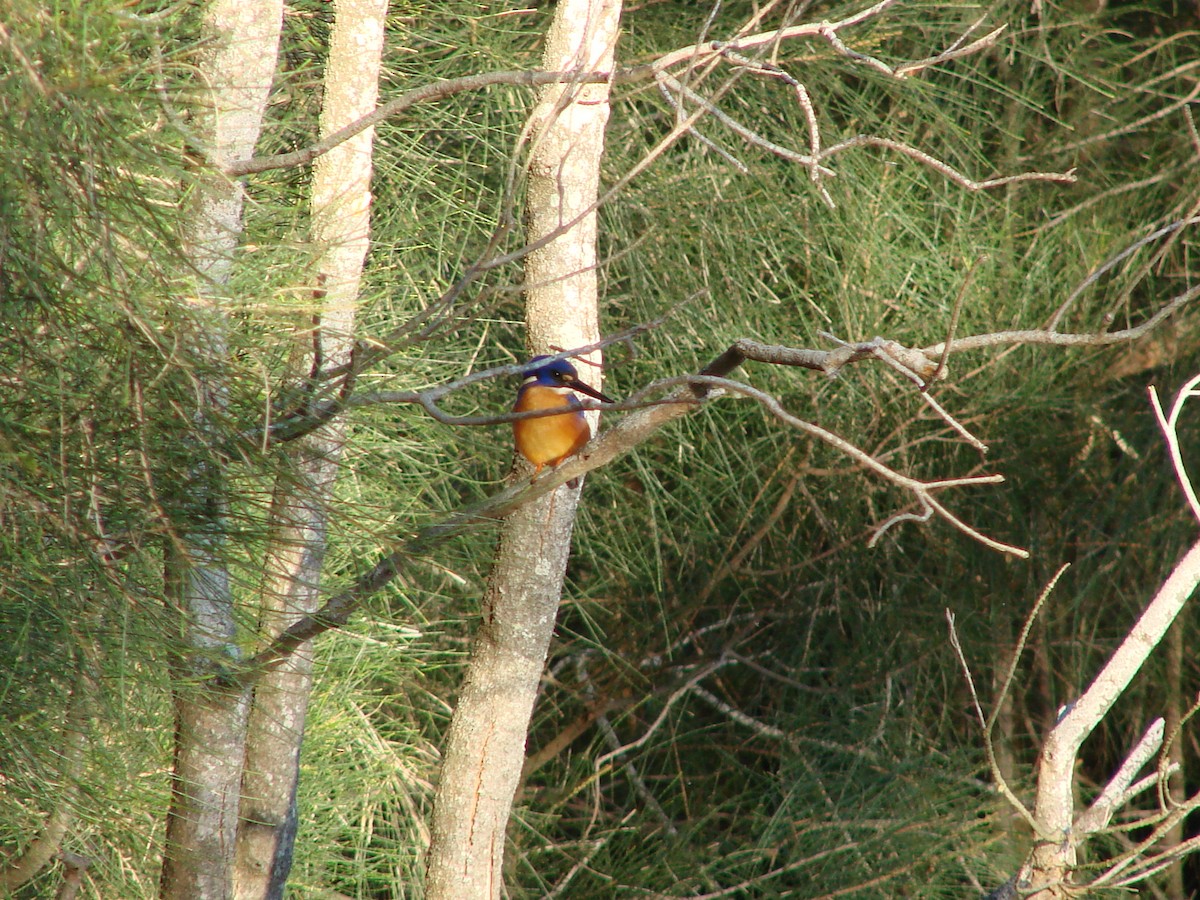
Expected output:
(1058, 828)
(702, 53)
(1169, 424)
(1110, 263)
(989, 748)
(1120, 787)
(1067, 339)
(970, 184)
(812, 160)
(694, 57)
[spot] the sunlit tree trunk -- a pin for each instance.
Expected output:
(234, 75)
(486, 745)
(341, 202)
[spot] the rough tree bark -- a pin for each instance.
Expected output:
(341, 203)
(236, 73)
(486, 744)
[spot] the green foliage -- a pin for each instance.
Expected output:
(757, 541)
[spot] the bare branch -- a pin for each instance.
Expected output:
(955, 312)
(665, 85)
(814, 158)
(1062, 339)
(923, 490)
(1169, 425)
(1055, 853)
(923, 516)
(1118, 790)
(760, 728)
(695, 56)
(1011, 675)
(958, 426)
(747, 134)
(810, 114)
(438, 90)
(1001, 784)
(970, 184)
(1137, 861)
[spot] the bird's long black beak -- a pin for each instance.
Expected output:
(576, 385)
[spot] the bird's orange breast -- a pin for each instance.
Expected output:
(550, 439)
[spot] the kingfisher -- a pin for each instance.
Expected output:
(548, 440)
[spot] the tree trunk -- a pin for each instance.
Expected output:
(236, 71)
(486, 744)
(341, 201)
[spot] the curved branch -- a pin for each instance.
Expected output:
(696, 55)
(970, 184)
(1066, 339)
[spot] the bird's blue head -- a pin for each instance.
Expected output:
(554, 372)
(560, 373)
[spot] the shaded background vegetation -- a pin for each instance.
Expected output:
(833, 746)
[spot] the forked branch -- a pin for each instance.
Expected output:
(1052, 870)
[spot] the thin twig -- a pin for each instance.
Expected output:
(955, 312)
(1100, 271)
(970, 184)
(1019, 649)
(1048, 337)
(747, 134)
(989, 749)
(665, 83)
(810, 114)
(1169, 425)
(702, 53)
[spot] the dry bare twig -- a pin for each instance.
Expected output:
(1169, 424)
(988, 723)
(696, 56)
(734, 53)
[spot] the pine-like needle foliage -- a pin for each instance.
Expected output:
(802, 725)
